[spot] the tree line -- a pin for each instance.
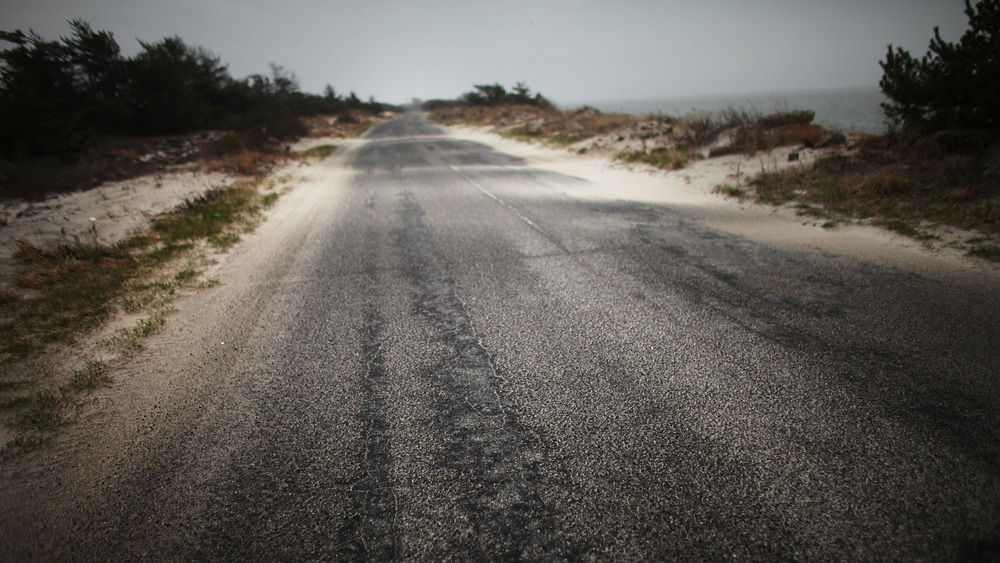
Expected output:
(494, 95)
(57, 97)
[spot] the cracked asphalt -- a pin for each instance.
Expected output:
(461, 362)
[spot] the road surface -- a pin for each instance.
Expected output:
(448, 357)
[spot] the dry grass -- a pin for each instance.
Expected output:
(7, 295)
(79, 288)
(574, 126)
(662, 159)
(752, 133)
(340, 126)
(92, 375)
(805, 134)
(900, 185)
(496, 116)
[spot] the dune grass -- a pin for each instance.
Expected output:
(559, 140)
(664, 160)
(78, 288)
(902, 186)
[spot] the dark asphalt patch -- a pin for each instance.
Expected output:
(371, 529)
(498, 460)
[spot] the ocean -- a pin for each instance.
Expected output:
(856, 109)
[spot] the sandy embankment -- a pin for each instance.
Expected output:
(106, 214)
(690, 192)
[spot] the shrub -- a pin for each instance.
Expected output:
(662, 159)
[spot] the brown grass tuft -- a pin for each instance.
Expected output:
(7, 295)
(903, 184)
(807, 134)
(27, 252)
(42, 276)
(884, 182)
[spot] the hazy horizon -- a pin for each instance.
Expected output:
(569, 50)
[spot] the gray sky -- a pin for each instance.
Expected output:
(570, 50)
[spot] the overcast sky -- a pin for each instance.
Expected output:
(570, 50)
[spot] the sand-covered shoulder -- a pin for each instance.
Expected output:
(690, 191)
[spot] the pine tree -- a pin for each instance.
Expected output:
(953, 86)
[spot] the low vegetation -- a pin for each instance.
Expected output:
(493, 95)
(664, 159)
(76, 289)
(904, 185)
(67, 295)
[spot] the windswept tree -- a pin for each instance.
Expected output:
(486, 95)
(99, 73)
(37, 80)
(57, 96)
(285, 82)
(329, 93)
(521, 93)
(954, 85)
(175, 87)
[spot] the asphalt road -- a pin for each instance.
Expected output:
(462, 362)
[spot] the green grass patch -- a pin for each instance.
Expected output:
(224, 241)
(559, 140)
(209, 215)
(319, 152)
(989, 252)
(37, 417)
(186, 275)
(44, 411)
(83, 286)
(16, 403)
(901, 227)
(730, 190)
(127, 341)
(94, 374)
(7, 386)
(267, 201)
